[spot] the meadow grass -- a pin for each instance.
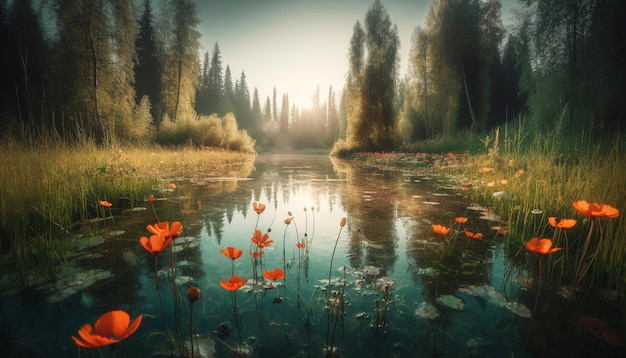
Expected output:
(49, 190)
(544, 174)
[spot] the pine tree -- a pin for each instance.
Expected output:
(147, 63)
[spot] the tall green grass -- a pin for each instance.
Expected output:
(50, 190)
(559, 167)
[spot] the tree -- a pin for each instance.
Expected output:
(202, 93)
(371, 83)
(257, 114)
(215, 81)
(380, 77)
(95, 49)
(242, 104)
(284, 115)
(147, 63)
(183, 55)
(332, 128)
(25, 61)
(356, 129)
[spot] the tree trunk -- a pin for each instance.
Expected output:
(469, 102)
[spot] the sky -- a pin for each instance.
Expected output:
(297, 45)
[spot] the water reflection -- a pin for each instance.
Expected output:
(392, 262)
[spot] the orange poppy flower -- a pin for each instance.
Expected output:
(255, 254)
(473, 235)
(541, 246)
(461, 220)
(275, 275)
(172, 186)
(261, 240)
(301, 245)
(440, 229)
(111, 328)
(193, 293)
(105, 204)
(155, 244)
(163, 228)
(151, 198)
(231, 252)
(595, 210)
(561, 223)
(259, 208)
(234, 283)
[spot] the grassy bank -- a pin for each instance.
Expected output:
(49, 191)
(524, 179)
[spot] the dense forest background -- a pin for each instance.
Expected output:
(114, 73)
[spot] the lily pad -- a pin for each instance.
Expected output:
(451, 301)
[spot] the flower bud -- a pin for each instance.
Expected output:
(193, 293)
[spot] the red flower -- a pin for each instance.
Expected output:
(193, 293)
(301, 245)
(234, 283)
(261, 240)
(256, 254)
(440, 229)
(155, 244)
(111, 328)
(461, 220)
(105, 204)
(595, 210)
(473, 235)
(561, 223)
(541, 246)
(258, 207)
(231, 252)
(163, 228)
(275, 275)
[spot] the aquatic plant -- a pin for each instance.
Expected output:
(167, 232)
(334, 304)
(275, 275)
(233, 284)
(110, 329)
(154, 245)
(193, 293)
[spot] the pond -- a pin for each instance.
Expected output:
(383, 285)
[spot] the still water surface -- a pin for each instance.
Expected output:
(396, 289)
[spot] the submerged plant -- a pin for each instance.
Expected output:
(233, 284)
(334, 304)
(193, 293)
